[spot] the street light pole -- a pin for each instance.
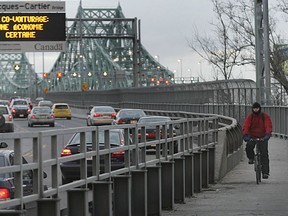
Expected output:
(200, 67)
(180, 60)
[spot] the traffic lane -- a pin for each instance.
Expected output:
(238, 193)
(21, 125)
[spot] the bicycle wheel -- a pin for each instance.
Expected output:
(257, 167)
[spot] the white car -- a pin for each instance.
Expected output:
(6, 119)
(41, 116)
(101, 115)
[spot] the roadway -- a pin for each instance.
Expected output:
(238, 193)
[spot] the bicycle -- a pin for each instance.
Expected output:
(257, 160)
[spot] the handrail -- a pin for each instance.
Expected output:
(197, 131)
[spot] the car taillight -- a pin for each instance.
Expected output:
(4, 194)
(121, 121)
(10, 118)
(28, 110)
(66, 152)
(13, 111)
(119, 153)
(97, 115)
(52, 116)
(33, 116)
(113, 114)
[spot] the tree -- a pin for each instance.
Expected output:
(234, 41)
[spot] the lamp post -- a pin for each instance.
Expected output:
(200, 67)
(180, 61)
(157, 58)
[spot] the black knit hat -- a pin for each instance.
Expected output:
(256, 105)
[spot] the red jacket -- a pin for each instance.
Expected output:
(255, 127)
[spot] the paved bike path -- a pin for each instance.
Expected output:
(238, 194)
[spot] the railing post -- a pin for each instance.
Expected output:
(211, 165)
(197, 172)
(154, 190)
(77, 202)
(189, 175)
(122, 195)
(139, 192)
(48, 207)
(102, 198)
(179, 180)
(167, 181)
(205, 168)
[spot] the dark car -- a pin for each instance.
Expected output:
(151, 129)
(71, 170)
(20, 108)
(7, 188)
(129, 116)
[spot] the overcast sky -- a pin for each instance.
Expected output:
(166, 25)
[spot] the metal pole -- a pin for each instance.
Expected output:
(259, 49)
(135, 55)
(267, 53)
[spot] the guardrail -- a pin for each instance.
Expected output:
(209, 146)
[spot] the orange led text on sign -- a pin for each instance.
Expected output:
(23, 27)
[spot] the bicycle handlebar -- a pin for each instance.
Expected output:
(258, 139)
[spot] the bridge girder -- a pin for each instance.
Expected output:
(100, 53)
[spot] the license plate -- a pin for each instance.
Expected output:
(21, 115)
(133, 121)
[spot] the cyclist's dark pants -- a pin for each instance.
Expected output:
(263, 146)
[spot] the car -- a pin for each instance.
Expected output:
(41, 116)
(151, 129)
(7, 188)
(101, 115)
(5, 102)
(20, 108)
(62, 110)
(128, 116)
(71, 170)
(29, 102)
(39, 99)
(14, 97)
(6, 119)
(45, 103)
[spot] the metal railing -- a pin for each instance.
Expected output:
(198, 134)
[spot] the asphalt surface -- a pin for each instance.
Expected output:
(238, 194)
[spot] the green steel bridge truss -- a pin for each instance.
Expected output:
(103, 51)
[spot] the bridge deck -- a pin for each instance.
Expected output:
(238, 193)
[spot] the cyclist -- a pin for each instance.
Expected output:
(258, 125)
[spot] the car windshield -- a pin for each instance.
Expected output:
(132, 113)
(45, 103)
(20, 102)
(114, 138)
(103, 109)
(2, 164)
(37, 111)
(3, 110)
(150, 120)
(62, 106)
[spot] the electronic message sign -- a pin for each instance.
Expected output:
(32, 26)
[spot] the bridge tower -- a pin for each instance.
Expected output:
(100, 54)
